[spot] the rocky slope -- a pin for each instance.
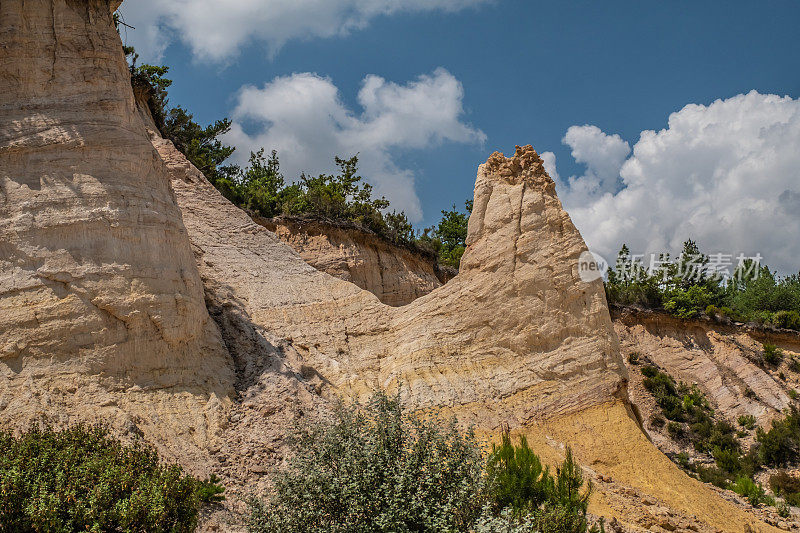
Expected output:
(724, 360)
(103, 312)
(396, 275)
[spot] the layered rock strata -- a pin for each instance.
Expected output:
(102, 312)
(395, 274)
(103, 306)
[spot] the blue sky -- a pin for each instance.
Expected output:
(528, 71)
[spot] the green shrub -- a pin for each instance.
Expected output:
(772, 354)
(676, 430)
(751, 490)
(712, 311)
(714, 475)
(649, 371)
(525, 495)
(81, 479)
(687, 303)
(792, 394)
(782, 483)
(783, 510)
(375, 468)
(210, 491)
(781, 444)
(449, 237)
(793, 499)
(682, 460)
(727, 459)
(554, 519)
(786, 319)
(747, 421)
(516, 477)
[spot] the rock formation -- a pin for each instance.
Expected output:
(514, 338)
(396, 275)
(102, 312)
(724, 361)
(102, 309)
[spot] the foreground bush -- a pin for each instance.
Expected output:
(526, 497)
(376, 468)
(81, 479)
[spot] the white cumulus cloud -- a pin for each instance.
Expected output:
(217, 29)
(303, 117)
(726, 174)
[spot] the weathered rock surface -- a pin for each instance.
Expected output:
(724, 361)
(514, 338)
(102, 312)
(394, 274)
(102, 304)
(515, 325)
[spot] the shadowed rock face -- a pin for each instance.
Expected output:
(99, 291)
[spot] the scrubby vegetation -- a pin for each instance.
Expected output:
(522, 492)
(81, 479)
(690, 420)
(691, 285)
(261, 189)
(378, 468)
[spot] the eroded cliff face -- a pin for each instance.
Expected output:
(514, 338)
(105, 283)
(102, 312)
(724, 361)
(394, 274)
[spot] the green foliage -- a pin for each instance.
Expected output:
(786, 319)
(201, 145)
(747, 421)
(528, 497)
(687, 303)
(691, 417)
(448, 238)
(676, 430)
(398, 228)
(516, 477)
(375, 468)
(81, 479)
(657, 420)
(688, 287)
(783, 510)
(780, 446)
(772, 354)
(782, 483)
(751, 490)
(210, 490)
